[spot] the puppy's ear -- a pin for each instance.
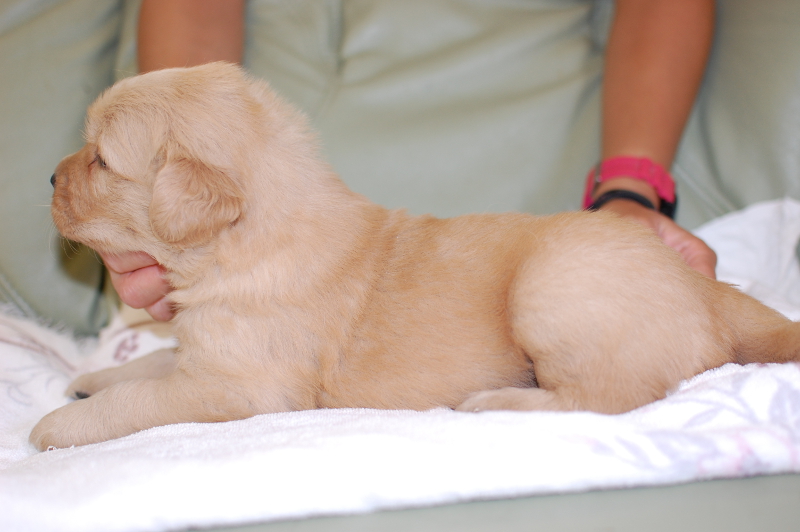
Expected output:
(192, 202)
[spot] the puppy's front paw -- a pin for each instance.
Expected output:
(64, 427)
(49, 433)
(86, 385)
(154, 365)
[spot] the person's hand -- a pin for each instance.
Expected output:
(694, 251)
(140, 283)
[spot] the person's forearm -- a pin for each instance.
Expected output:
(655, 59)
(179, 33)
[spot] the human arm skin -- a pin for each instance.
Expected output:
(140, 283)
(655, 59)
(182, 33)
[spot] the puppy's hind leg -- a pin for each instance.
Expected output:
(511, 398)
(610, 318)
(154, 365)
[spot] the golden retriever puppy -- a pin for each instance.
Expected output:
(295, 293)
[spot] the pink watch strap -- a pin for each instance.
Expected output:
(633, 167)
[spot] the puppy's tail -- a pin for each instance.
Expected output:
(761, 334)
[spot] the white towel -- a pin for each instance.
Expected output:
(730, 422)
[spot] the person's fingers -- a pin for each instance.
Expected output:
(128, 262)
(694, 251)
(141, 288)
(140, 283)
(161, 310)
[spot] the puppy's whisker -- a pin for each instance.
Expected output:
(96, 255)
(51, 232)
(69, 247)
(125, 73)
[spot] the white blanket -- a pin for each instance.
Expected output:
(731, 422)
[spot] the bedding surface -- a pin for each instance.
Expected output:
(730, 422)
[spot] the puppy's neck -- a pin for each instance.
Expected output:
(280, 245)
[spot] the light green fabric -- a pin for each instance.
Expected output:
(743, 142)
(440, 106)
(55, 58)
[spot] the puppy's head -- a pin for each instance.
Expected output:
(161, 168)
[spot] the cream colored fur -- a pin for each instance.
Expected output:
(296, 293)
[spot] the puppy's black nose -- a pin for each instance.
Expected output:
(53, 180)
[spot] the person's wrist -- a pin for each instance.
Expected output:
(640, 175)
(636, 186)
(637, 179)
(633, 211)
